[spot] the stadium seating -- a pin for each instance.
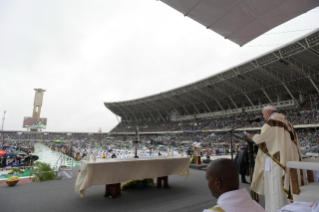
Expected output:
(190, 131)
(304, 114)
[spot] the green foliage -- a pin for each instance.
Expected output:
(192, 160)
(43, 167)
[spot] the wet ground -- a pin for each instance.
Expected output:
(45, 155)
(50, 156)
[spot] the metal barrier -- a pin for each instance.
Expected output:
(61, 162)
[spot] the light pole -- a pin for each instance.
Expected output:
(4, 113)
(19, 133)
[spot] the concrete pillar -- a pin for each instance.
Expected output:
(38, 100)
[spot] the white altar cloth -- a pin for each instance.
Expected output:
(117, 170)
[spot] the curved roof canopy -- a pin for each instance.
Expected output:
(283, 73)
(241, 21)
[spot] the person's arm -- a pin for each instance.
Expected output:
(267, 134)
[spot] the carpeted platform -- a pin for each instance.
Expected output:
(185, 196)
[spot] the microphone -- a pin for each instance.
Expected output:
(253, 120)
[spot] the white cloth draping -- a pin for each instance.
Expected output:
(274, 197)
(197, 150)
(236, 201)
(117, 170)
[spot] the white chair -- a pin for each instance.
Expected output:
(310, 191)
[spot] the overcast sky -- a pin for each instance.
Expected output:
(85, 53)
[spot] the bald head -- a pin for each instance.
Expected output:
(222, 176)
(222, 168)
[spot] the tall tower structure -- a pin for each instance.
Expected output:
(38, 99)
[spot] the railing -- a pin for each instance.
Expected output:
(61, 160)
(56, 163)
(280, 104)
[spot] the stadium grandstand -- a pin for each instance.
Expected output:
(204, 111)
(287, 78)
(306, 137)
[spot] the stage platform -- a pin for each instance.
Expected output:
(59, 195)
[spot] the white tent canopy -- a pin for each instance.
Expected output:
(242, 20)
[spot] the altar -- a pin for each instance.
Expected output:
(116, 170)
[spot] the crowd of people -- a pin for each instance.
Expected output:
(16, 154)
(77, 144)
(122, 146)
(306, 113)
(307, 137)
(49, 136)
(115, 150)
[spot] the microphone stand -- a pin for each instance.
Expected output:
(231, 141)
(136, 142)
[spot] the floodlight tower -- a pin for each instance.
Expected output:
(37, 105)
(4, 114)
(38, 100)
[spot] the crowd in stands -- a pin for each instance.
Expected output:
(306, 136)
(49, 136)
(212, 144)
(306, 113)
(303, 114)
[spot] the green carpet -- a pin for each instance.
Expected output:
(3, 176)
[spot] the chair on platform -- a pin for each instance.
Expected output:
(310, 191)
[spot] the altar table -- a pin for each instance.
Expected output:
(117, 170)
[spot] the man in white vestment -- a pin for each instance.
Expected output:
(223, 183)
(278, 144)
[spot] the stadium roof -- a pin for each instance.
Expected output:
(241, 21)
(282, 73)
